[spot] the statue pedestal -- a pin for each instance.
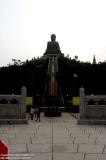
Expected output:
(53, 103)
(52, 114)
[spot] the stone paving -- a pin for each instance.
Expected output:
(55, 138)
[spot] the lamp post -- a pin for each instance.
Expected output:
(74, 83)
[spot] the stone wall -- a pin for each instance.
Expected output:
(92, 108)
(13, 108)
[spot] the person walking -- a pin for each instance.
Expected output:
(36, 111)
(32, 112)
(38, 114)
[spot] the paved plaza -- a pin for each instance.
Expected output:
(55, 138)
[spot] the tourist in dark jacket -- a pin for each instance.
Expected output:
(38, 115)
(32, 112)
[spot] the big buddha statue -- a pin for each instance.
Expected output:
(53, 46)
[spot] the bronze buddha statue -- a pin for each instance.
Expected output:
(53, 46)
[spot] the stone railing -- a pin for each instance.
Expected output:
(13, 108)
(92, 108)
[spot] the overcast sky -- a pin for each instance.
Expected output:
(26, 26)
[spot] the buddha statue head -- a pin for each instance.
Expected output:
(53, 37)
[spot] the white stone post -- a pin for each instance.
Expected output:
(23, 102)
(82, 102)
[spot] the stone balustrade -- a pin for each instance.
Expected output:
(13, 108)
(92, 108)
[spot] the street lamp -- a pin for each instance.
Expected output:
(74, 84)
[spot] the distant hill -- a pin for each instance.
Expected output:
(72, 75)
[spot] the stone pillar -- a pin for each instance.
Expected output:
(23, 102)
(82, 102)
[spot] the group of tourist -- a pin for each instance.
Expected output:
(35, 113)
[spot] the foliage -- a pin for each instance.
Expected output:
(33, 75)
(30, 74)
(91, 76)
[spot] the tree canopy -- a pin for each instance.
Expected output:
(71, 76)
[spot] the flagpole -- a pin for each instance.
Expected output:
(74, 84)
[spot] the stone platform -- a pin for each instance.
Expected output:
(52, 114)
(55, 138)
